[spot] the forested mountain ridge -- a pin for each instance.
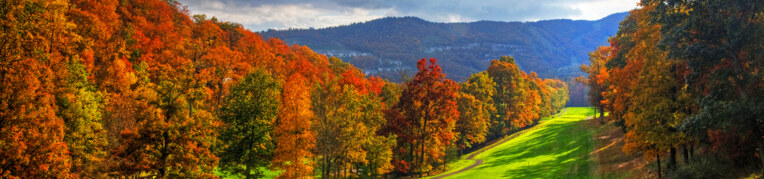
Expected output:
(387, 46)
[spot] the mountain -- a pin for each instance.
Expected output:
(389, 47)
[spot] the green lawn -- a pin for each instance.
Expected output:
(266, 172)
(557, 148)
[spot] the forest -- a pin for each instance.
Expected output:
(552, 48)
(684, 80)
(145, 89)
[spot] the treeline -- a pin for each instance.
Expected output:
(140, 88)
(436, 119)
(683, 77)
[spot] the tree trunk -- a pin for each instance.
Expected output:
(692, 150)
(249, 174)
(602, 114)
(659, 164)
(761, 153)
(672, 158)
(164, 155)
(445, 162)
(421, 162)
(325, 168)
(686, 154)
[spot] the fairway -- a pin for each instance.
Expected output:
(556, 148)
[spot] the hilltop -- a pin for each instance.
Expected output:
(388, 47)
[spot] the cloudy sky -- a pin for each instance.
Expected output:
(260, 15)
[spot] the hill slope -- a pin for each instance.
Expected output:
(556, 148)
(389, 47)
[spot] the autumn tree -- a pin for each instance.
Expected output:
(627, 58)
(596, 78)
(248, 114)
(339, 128)
(533, 103)
(217, 67)
(511, 95)
(652, 121)
(538, 85)
(379, 148)
(721, 42)
(476, 107)
(169, 139)
(472, 124)
(428, 103)
(643, 88)
(346, 124)
(294, 139)
(36, 37)
(135, 88)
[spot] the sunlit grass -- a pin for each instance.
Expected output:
(557, 148)
(266, 174)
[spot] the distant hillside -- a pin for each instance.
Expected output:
(389, 47)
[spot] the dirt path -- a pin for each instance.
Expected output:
(479, 161)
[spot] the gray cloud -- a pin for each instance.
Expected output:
(280, 14)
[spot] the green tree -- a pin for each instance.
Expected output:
(559, 94)
(248, 114)
(80, 105)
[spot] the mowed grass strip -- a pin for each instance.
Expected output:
(557, 148)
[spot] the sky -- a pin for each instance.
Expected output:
(259, 15)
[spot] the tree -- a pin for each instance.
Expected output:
(721, 43)
(475, 110)
(339, 127)
(81, 107)
(428, 104)
(511, 95)
(538, 85)
(652, 120)
(558, 93)
(627, 59)
(646, 90)
(35, 38)
(135, 89)
(248, 115)
(169, 139)
(294, 139)
(218, 66)
(532, 104)
(597, 78)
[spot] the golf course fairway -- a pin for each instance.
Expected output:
(558, 147)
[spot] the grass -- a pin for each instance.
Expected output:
(558, 147)
(612, 162)
(266, 174)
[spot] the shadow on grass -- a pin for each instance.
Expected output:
(559, 150)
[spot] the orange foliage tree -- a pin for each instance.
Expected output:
(512, 96)
(428, 105)
(294, 139)
(36, 38)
